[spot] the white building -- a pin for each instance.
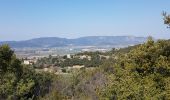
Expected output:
(68, 56)
(26, 62)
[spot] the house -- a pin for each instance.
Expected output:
(26, 62)
(29, 61)
(85, 57)
(68, 56)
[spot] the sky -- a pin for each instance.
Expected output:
(26, 19)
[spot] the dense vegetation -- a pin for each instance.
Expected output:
(94, 61)
(89, 59)
(18, 81)
(144, 73)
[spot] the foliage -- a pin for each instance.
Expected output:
(18, 81)
(95, 61)
(141, 74)
(166, 18)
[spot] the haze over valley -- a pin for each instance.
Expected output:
(59, 46)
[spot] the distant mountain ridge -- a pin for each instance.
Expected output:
(50, 42)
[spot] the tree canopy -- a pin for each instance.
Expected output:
(18, 81)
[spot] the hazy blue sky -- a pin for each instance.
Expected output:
(25, 19)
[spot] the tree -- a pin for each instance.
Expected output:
(166, 18)
(141, 74)
(18, 81)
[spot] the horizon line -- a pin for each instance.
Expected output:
(79, 37)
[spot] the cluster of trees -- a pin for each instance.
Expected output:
(144, 73)
(18, 81)
(95, 61)
(96, 58)
(47, 61)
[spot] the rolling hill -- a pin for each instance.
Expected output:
(50, 42)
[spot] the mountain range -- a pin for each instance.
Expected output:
(50, 42)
